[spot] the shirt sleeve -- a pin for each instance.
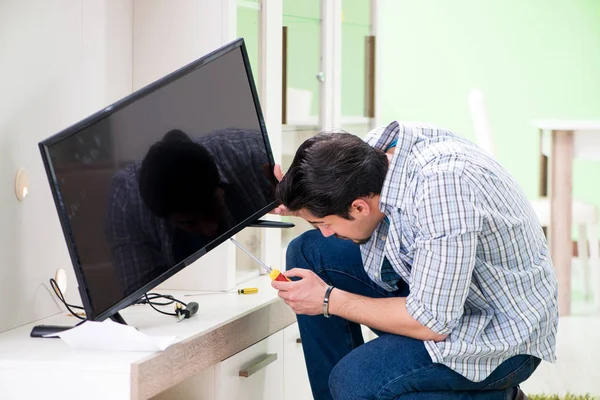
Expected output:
(448, 221)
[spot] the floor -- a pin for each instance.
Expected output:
(577, 369)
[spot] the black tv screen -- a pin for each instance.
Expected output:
(151, 183)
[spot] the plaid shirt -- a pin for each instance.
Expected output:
(461, 233)
(142, 244)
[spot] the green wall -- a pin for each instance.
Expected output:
(532, 59)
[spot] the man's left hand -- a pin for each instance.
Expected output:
(304, 296)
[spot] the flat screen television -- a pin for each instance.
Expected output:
(153, 182)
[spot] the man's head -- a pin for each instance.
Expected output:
(334, 183)
(179, 180)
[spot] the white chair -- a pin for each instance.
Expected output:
(584, 215)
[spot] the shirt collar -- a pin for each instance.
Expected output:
(396, 179)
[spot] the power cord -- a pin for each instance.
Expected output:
(149, 297)
(183, 310)
(181, 313)
(61, 297)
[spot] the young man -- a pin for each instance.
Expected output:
(453, 270)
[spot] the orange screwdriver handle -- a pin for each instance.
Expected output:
(275, 275)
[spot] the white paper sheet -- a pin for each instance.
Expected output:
(109, 335)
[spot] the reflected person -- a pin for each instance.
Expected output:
(184, 194)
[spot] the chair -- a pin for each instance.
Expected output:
(584, 215)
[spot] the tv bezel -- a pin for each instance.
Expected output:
(44, 146)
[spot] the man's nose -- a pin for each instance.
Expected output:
(326, 231)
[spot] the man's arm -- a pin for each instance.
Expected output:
(305, 296)
(387, 315)
(449, 220)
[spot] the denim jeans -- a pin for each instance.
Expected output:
(341, 366)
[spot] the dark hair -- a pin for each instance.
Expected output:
(329, 172)
(178, 175)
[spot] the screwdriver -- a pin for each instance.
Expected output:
(248, 290)
(274, 274)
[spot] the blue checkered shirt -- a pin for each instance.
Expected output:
(461, 233)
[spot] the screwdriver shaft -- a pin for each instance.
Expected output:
(262, 264)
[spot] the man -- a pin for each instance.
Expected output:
(183, 195)
(453, 270)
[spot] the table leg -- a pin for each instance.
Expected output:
(543, 182)
(543, 179)
(560, 213)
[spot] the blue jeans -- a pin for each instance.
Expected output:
(341, 366)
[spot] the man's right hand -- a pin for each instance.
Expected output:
(281, 209)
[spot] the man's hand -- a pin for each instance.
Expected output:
(281, 209)
(304, 296)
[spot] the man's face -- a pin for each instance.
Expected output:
(359, 229)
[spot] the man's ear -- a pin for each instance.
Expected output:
(361, 206)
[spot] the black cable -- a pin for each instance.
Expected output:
(148, 298)
(180, 312)
(152, 305)
(61, 297)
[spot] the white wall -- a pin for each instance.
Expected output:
(60, 60)
(166, 37)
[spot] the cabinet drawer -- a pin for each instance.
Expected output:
(197, 387)
(256, 371)
(295, 382)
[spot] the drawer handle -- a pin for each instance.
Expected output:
(266, 360)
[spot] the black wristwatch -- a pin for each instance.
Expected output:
(326, 302)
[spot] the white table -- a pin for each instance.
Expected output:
(225, 325)
(567, 139)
